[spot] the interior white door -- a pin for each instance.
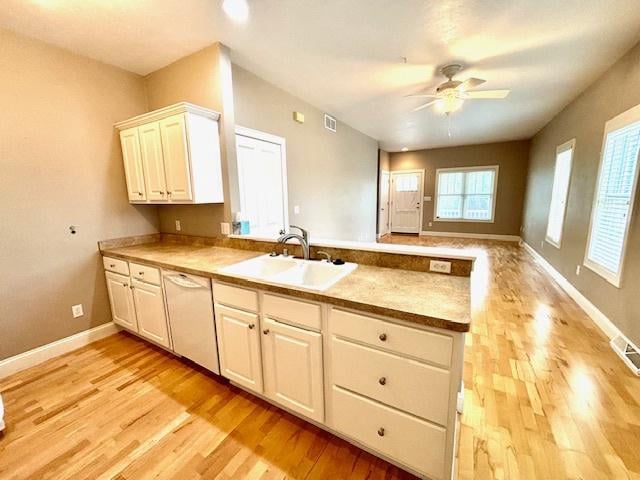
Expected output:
(239, 347)
(133, 170)
(383, 215)
(152, 160)
(150, 312)
(175, 150)
(406, 201)
(260, 163)
(121, 300)
(292, 359)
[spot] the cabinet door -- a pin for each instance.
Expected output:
(152, 161)
(150, 311)
(121, 300)
(292, 359)
(133, 171)
(239, 347)
(175, 150)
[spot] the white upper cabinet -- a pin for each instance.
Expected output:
(152, 161)
(129, 139)
(172, 155)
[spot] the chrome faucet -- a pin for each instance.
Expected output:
(303, 238)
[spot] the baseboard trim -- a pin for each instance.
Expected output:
(600, 319)
(33, 357)
(485, 236)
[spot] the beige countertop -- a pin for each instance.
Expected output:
(424, 298)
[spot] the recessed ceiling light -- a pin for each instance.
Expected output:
(238, 10)
(404, 149)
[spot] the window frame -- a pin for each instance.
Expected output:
(620, 121)
(495, 168)
(282, 142)
(570, 145)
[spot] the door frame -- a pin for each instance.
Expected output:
(387, 227)
(392, 190)
(282, 142)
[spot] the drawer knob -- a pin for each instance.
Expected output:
(140, 273)
(383, 337)
(125, 284)
(112, 265)
(382, 381)
(266, 331)
(252, 326)
(381, 431)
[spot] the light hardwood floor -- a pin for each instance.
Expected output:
(545, 398)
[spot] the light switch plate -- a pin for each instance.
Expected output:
(77, 310)
(440, 266)
(296, 209)
(225, 228)
(427, 198)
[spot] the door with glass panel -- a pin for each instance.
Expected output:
(406, 201)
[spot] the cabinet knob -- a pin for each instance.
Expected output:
(131, 287)
(382, 381)
(266, 331)
(381, 431)
(125, 284)
(169, 193)
(252, 326)
(383, 337)
(141, 273)
(112, 265)
(139, 194)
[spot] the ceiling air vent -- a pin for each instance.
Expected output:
(329, 122)
(628, 352)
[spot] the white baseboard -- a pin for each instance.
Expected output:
(485, 236)
(22, 361)
(599, 318)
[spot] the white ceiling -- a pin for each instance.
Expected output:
(345, 56)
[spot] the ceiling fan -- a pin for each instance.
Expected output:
(451, 94)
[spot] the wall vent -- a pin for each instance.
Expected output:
(628, 352)
(330, 122)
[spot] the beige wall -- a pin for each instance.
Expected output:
(61, 166)
(511, 157)
(384, 165)
(332, 177)
(203, 78)
(583, 119)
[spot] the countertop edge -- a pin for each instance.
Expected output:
(423, 320)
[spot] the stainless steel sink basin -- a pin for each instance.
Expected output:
(304, 274)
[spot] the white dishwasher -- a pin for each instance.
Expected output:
(190, 311)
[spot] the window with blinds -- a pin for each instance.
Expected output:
(615, 192)
(559, 192)
(466, 194)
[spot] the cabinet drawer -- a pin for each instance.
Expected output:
(294, 311)
(406, 439)
(428, 346)
(241, 298)
(145, 273)
(405, 384)
(115, 265)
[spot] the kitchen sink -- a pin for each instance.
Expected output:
(312, 275)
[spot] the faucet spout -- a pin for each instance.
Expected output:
(302, 239)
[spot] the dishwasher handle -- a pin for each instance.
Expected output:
(182, 281)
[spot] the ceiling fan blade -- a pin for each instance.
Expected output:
(487, 94)
(470, 83)
(422, 95)
(424, 105)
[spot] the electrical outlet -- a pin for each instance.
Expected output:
(577, 269)
(77, 310)
(440, 266)
(178, 226)
(225, 228)
(431, 224)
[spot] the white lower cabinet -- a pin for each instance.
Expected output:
(151, 314)
(239, 346)
(292, 364)
(121, 300)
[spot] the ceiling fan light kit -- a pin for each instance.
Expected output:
(450, 95)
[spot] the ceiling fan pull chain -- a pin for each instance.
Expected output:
(449, 125)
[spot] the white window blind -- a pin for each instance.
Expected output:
(466, 194)
(615, 191)
(559, 193)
